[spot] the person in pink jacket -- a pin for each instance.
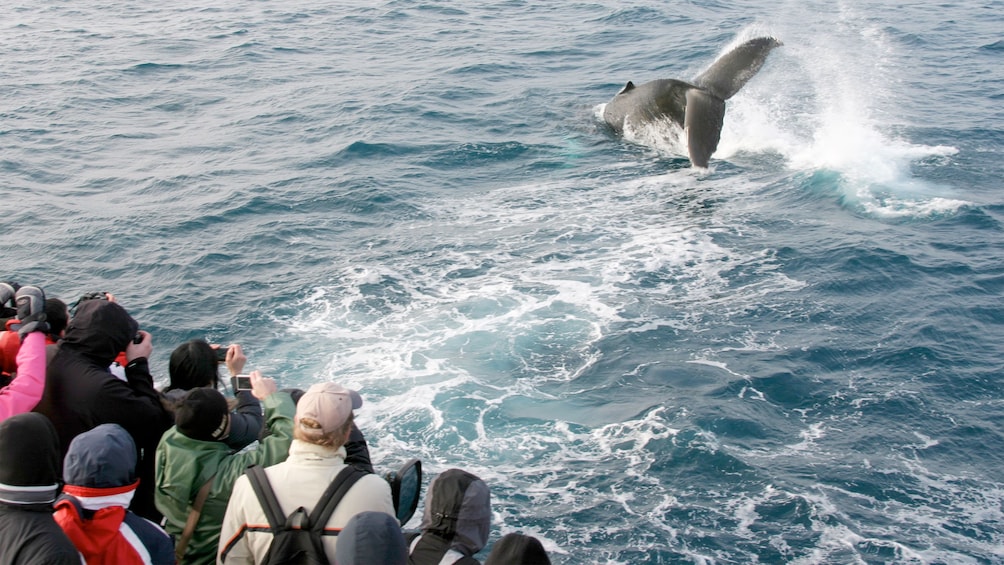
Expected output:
(24, 392)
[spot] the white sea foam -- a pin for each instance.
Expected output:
(828, 101)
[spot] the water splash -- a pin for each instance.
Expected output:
(829, 100)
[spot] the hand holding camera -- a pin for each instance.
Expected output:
(262, 387)
(141, 348)
(233, 356)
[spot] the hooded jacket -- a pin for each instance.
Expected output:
(518, 549)
(185, 464)
(100, 476)
(456, 521)
(29, 482)
(370, 538)
(80, 392)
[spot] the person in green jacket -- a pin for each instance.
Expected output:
(193, 452)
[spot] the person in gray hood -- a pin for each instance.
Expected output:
(516, 548)
(455, 523)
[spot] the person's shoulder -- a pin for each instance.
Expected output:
(186, 448)
(47, 544)
(241, 482)
(372, 484)
(174, 395)
(140, 524)
(371, 478)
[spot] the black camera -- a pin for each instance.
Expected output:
(97, 295)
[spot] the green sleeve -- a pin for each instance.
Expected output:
(279, 411)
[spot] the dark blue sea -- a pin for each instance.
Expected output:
(794, 356)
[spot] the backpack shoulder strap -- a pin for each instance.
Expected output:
(266, 497)
(193, 518)
(333, 495)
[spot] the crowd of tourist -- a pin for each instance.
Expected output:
(98, 466)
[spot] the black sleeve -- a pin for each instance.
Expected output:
(357, 452)
(246, 421)
(135, 405)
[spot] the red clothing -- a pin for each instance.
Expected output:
(112, 536)
(10, 342)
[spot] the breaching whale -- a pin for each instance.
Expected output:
(698, 107)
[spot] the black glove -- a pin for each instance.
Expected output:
(30, 302)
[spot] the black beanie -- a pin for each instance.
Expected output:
(202, 414)
(29, 457)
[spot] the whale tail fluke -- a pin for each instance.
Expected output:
(732, 70)
(703, 124)
(698, 107)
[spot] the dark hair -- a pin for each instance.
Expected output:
(193, 364)
(518, 549)
(57, 315)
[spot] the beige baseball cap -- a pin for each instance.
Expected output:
(328, 404)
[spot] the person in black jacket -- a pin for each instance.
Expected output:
(455, 523)
(81, 393)
(29, 483)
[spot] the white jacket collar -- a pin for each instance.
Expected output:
(302, 451)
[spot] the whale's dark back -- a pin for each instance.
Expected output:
(658, 99)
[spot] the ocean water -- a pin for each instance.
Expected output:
(794, 356)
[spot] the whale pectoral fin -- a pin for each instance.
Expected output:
(703, 121)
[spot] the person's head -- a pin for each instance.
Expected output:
(193, 364)
(57, 315)
(458, 508)
(324, 415)
(7, 291)
(29, 460)
(100, 464)
(102, 328)
(518, 549)
(369, 538)
(203, 414)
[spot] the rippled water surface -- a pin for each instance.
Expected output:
(793, 356)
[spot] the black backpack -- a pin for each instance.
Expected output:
(297, 538)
